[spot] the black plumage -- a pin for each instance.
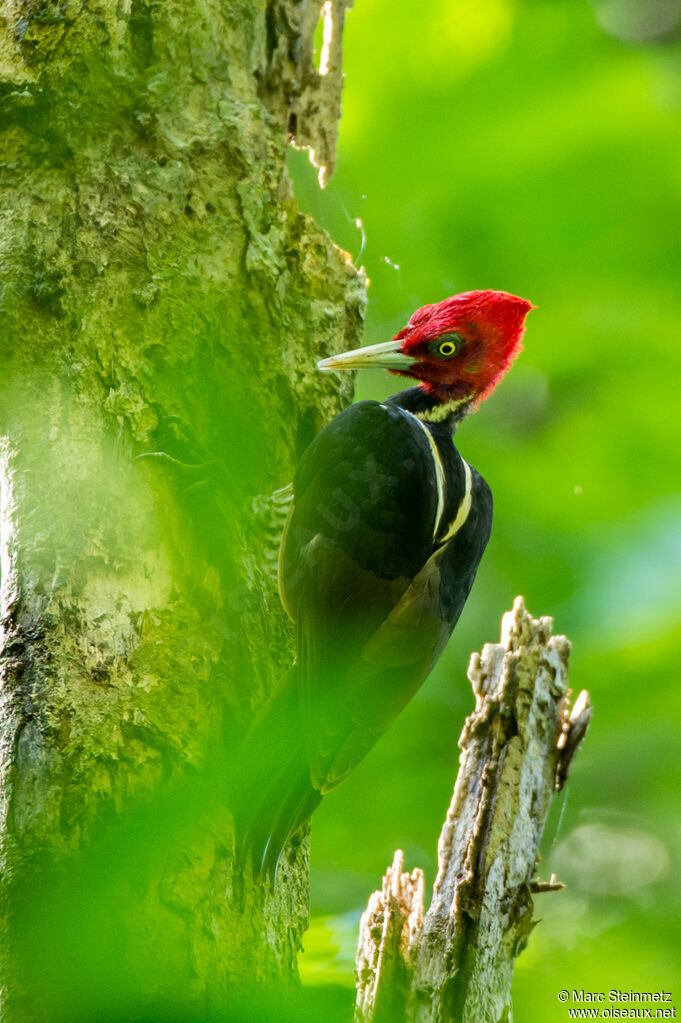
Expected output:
(379, 553)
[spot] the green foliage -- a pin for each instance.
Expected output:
(534, 147)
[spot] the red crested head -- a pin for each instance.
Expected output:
(463, 345)
(458, 349)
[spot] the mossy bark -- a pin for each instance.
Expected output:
(161, 293)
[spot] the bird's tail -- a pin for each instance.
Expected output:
(273, 794)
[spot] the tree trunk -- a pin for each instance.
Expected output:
(161, 296)
(455, 964)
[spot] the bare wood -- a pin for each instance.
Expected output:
(313, 118)
(517, 747)
(388, 932)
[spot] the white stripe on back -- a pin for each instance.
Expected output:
(439, 472)
(464, 507)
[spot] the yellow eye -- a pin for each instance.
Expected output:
(446, 345)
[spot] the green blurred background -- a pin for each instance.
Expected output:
(534, 147)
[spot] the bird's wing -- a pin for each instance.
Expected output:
(403, 650)
(361, 528)
(358, 550)
(366, 484)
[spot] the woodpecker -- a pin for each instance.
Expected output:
(381, 546)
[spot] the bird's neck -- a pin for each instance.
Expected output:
(430, 408)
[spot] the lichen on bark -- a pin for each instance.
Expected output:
(162, 295)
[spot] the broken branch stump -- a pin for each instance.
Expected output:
(517, 745)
